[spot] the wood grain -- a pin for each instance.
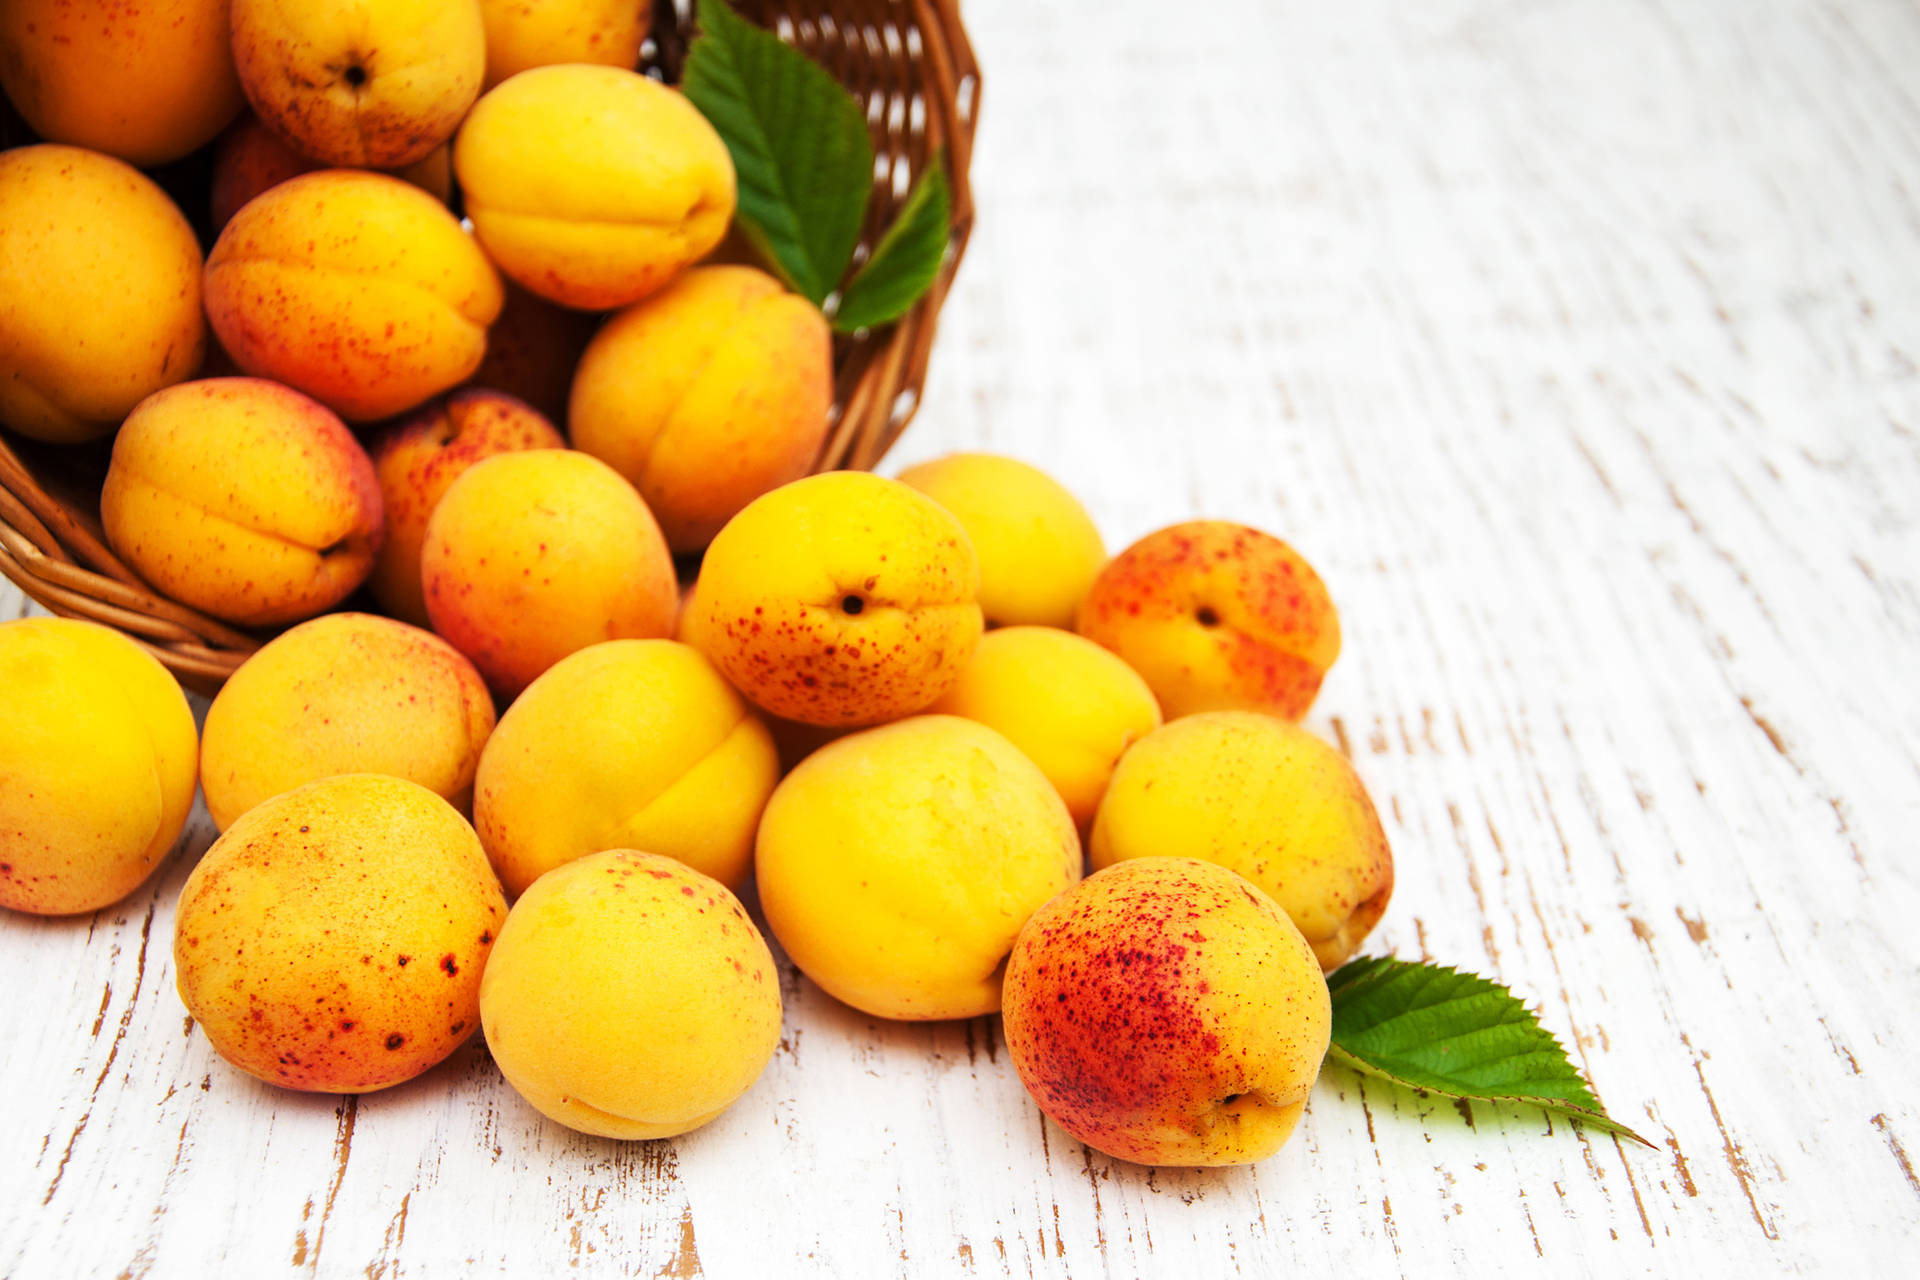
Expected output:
(1578, 346)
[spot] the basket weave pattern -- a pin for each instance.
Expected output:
(908, 61)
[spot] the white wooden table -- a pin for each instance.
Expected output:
(1578, 345)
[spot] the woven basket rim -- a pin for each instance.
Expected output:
(909, 60)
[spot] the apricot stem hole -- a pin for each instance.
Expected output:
(1207, 617)
(356, 75)
(853, 604)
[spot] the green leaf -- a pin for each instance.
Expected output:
(1436, 1029)
(905, 261)
(799, 145)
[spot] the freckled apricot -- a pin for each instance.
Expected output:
(146, 82)
(99, 292)
(706, 395)
(533, 555)
(361, 84)
(357, 288)
(1166, 1011)
(333, 939)
(842, 599)
(345, 693)
(243, 498)
(418, 458)
(1216, 616)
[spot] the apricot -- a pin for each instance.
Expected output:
(1267, 799)
(242, 498)
(418, 457)
(531, 556)
(532, 350)
(1072, 707)
(252, 158)
(592, 186)
(97, 765)
(99, 292)
(360, 83)
(1167, 1012)
(1039, 550)
(631, 744)
(357, 288)
(145, 82)
(630, 996)
(706, 395)
(897, 865)
(1216, 616)
(522, 34)
(347, 693)
(332, 940)
(841, 599)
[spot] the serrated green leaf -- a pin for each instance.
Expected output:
(799, 146)
(1433, 1028)
(905, 261)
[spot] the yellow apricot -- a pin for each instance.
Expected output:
(146, 82)
(1267, 799)
(360, 82)
(841, 599)
(347, 693)
(333, 939)
(706, 395)
(897, 865)
(99, 292)
(530, 556)
(1070, 705)
(97, 762)
(357, 288)
(522, 34)
(592, 186)
(1039, 550)
(631, 744)
(243, 498)
(630, 997)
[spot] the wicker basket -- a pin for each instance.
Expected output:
(908, 60)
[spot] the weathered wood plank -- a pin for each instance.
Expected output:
(1578, 346)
